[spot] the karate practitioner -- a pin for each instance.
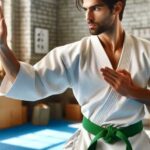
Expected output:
(109, 73)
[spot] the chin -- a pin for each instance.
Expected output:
(95, 32)
(92, 32)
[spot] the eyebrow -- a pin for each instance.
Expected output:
(96, 5)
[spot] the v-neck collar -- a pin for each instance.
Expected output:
(103, 59)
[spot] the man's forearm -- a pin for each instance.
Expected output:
(142, 95)
(9, 62)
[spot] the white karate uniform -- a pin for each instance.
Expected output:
(77, 66)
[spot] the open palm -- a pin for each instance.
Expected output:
(3, 28)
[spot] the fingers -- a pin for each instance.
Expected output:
(3, 27)
(110, 72)
(3, 32)
(123, 71)
(1, 10)
(110, 81)
(110, 76)
(119, 80)
(114, 73)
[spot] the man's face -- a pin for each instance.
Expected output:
(98, 16)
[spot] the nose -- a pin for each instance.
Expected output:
(88, 15)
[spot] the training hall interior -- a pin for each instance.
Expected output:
(35, 27)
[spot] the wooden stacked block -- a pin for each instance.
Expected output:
(12, 112)
(73, 112)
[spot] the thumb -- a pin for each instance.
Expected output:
(3, 30)
(1, 10)
(123, 71)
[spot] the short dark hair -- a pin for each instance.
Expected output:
(109, 3)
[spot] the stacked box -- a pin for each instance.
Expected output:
(40, 114)
(73, 112)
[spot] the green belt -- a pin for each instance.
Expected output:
(111, 134)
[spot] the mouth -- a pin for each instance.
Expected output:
(91, 25)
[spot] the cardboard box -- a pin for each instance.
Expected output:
(8, 103)
(16, 116)
(40, 114)
(24, 114)
(73, 112)
(55, 111)
(10, 112)
(5, 119)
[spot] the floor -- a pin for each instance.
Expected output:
(31, 137)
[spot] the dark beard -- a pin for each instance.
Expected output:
(98, 30)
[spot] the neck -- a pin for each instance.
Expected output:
(113, 40)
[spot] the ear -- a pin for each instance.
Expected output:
(118, 7)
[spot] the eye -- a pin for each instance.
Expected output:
(97, 8)
(85, 9)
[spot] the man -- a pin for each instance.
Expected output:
(109, 73)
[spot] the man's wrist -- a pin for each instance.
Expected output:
(140, 94)
(133, 94)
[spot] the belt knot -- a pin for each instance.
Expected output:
(110, 134)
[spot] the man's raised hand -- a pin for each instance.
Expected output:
(3, 28)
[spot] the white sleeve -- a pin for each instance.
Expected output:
(148, 86)
(48, 77)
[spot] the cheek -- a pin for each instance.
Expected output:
(102, 17)
(105, 20)
(99, 19)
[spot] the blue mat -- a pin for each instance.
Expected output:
(31, 137)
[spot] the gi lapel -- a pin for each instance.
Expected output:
(102, 61)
